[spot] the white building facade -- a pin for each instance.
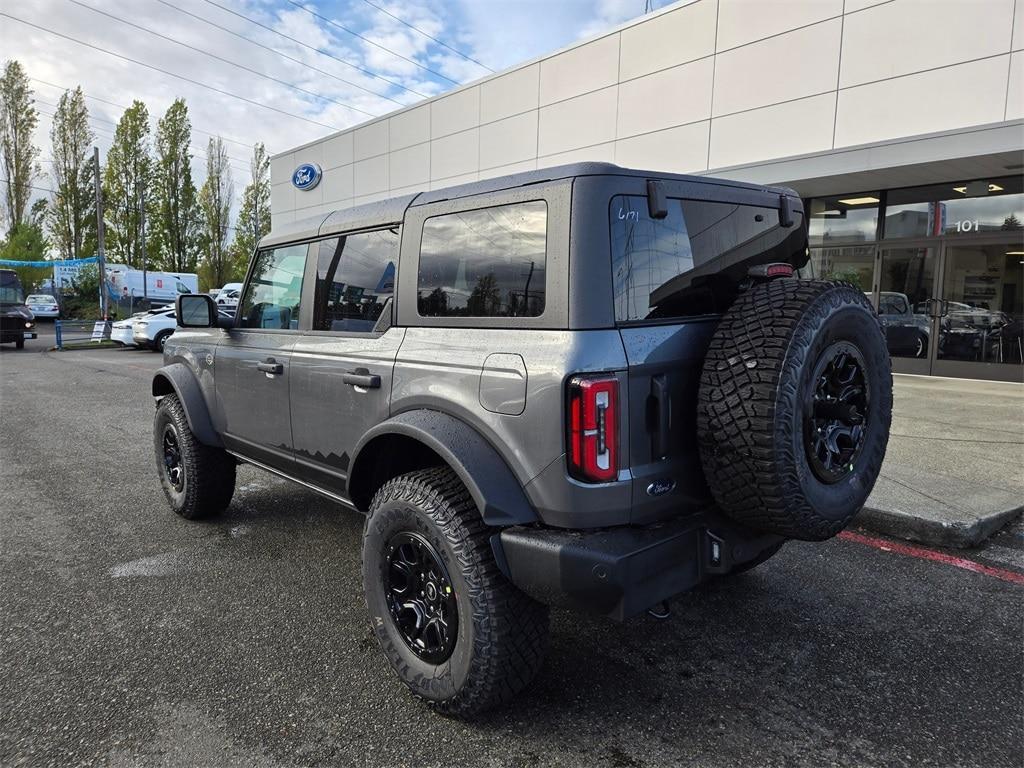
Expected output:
(901, 122)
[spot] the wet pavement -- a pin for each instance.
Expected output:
(129, 637)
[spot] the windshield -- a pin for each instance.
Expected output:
(10, 289)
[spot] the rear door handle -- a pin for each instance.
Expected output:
(361, 377)
(270, 366)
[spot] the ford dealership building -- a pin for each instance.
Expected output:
(901, 122)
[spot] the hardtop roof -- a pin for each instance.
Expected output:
(392, 210)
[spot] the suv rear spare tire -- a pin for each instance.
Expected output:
(794, 407)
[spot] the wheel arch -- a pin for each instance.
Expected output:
(416, 439)
(178, 379)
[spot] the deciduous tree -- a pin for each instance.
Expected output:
(71, 219)
(18, 119)
(126, 183)
(254, 215)
(176, 226)
(215, 199)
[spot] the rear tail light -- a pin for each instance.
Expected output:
(593, 428)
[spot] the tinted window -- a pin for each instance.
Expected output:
(272, 294)
(673, 267)
(355, 276)
(484, 263)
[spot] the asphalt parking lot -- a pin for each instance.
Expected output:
(131, 637)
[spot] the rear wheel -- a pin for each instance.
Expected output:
(198, 480)
(794, 407)
(161, 340)
(456, 631)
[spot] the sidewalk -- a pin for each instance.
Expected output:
(954, 471)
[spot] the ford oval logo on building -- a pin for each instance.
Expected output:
(307, 176)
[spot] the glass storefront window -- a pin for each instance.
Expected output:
(844, 217)
(854, 264)
(983, 307)
(957, 208)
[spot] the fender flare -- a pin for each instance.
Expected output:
(178, 378)
(494, 488)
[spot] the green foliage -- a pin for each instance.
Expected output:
(254, 215)
(215, 200)
(176, 225)
(128, 176)
(27, 242)
(72, 216)
(82, 301)
(18, 156)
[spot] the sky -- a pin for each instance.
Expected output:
(270, 70)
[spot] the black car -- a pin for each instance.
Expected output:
(16, 320)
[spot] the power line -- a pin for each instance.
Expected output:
(278, 53)
(239, 142)
(427, 35)
(314, 48)
(222, 59)
(30, 186)
(371, 42)
(170, 74)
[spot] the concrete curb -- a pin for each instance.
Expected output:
(955, 535)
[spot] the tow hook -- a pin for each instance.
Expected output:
(661, 611)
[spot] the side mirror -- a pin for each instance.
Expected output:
(195, 310)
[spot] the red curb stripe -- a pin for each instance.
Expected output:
(938, 557)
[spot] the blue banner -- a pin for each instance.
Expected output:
(49, 264)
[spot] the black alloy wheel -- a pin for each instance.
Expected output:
(174, 468)
(420, 597)
(835, 420)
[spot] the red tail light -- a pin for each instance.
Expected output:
(593, 428)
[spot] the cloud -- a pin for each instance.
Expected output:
(331, 93)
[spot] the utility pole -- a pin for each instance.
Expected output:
(100, 234)
(145, 294)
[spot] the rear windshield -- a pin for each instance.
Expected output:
(685, 264)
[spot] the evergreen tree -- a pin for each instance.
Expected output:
(176, 222)
(215, 199)
(71, 220)
(254, 215)
(18, 119)
(126, 186)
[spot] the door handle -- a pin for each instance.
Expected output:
(361, 377)
(270, 366)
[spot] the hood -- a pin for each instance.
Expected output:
(17, 311)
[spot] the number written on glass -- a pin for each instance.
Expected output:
(967, 226)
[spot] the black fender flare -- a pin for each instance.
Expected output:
(494, 488)
(178, 378)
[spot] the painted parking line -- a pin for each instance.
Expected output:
(937, 557)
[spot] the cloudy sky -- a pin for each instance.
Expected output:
(279, 71)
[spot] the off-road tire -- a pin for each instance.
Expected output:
(502, 633)
(758, 376)
(209, 472)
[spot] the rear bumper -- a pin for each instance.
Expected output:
(621, 572)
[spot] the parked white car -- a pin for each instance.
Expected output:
(43, 305)
(154, 329)
(122, 331)
(228, 296)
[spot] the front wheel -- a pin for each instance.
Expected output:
(456, 631)
(198, 480)
(19, 344)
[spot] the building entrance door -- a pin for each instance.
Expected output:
(951, 307)
(981, 310)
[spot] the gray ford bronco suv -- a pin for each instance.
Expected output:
(584, 386)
